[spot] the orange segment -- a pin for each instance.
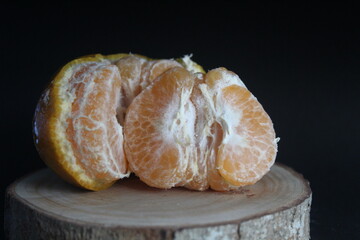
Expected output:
(130, 71)
(159, 129)
(152, 69)
(75, 126)
(160, 66)
(249, 147)
(94, 132)
(137, 72)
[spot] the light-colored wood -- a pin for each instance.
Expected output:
(42, 206)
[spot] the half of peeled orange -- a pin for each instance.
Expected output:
(169, 122)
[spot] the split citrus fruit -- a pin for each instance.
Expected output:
(167, 121)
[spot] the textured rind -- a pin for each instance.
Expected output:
(45, 128)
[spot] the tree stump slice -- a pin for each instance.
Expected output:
(42, 206)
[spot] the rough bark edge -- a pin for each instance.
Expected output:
(23, 222)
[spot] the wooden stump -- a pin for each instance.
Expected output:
(42, 206)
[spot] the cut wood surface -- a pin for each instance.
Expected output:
(42, 206)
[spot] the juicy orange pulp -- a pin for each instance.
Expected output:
(165, 120)
(198, 131)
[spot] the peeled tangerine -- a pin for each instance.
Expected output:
(167, 121)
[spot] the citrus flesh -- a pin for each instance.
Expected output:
(78, 123)
(198, 131)
(169, 122)
(74, 133)
(155, 151)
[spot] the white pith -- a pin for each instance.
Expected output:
(178, 127)
(67, 96)
(190, 65)
(66, 99)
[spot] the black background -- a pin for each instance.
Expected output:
(301, 62)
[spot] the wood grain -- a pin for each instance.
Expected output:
(42, 206)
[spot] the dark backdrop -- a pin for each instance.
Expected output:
(301, 62)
